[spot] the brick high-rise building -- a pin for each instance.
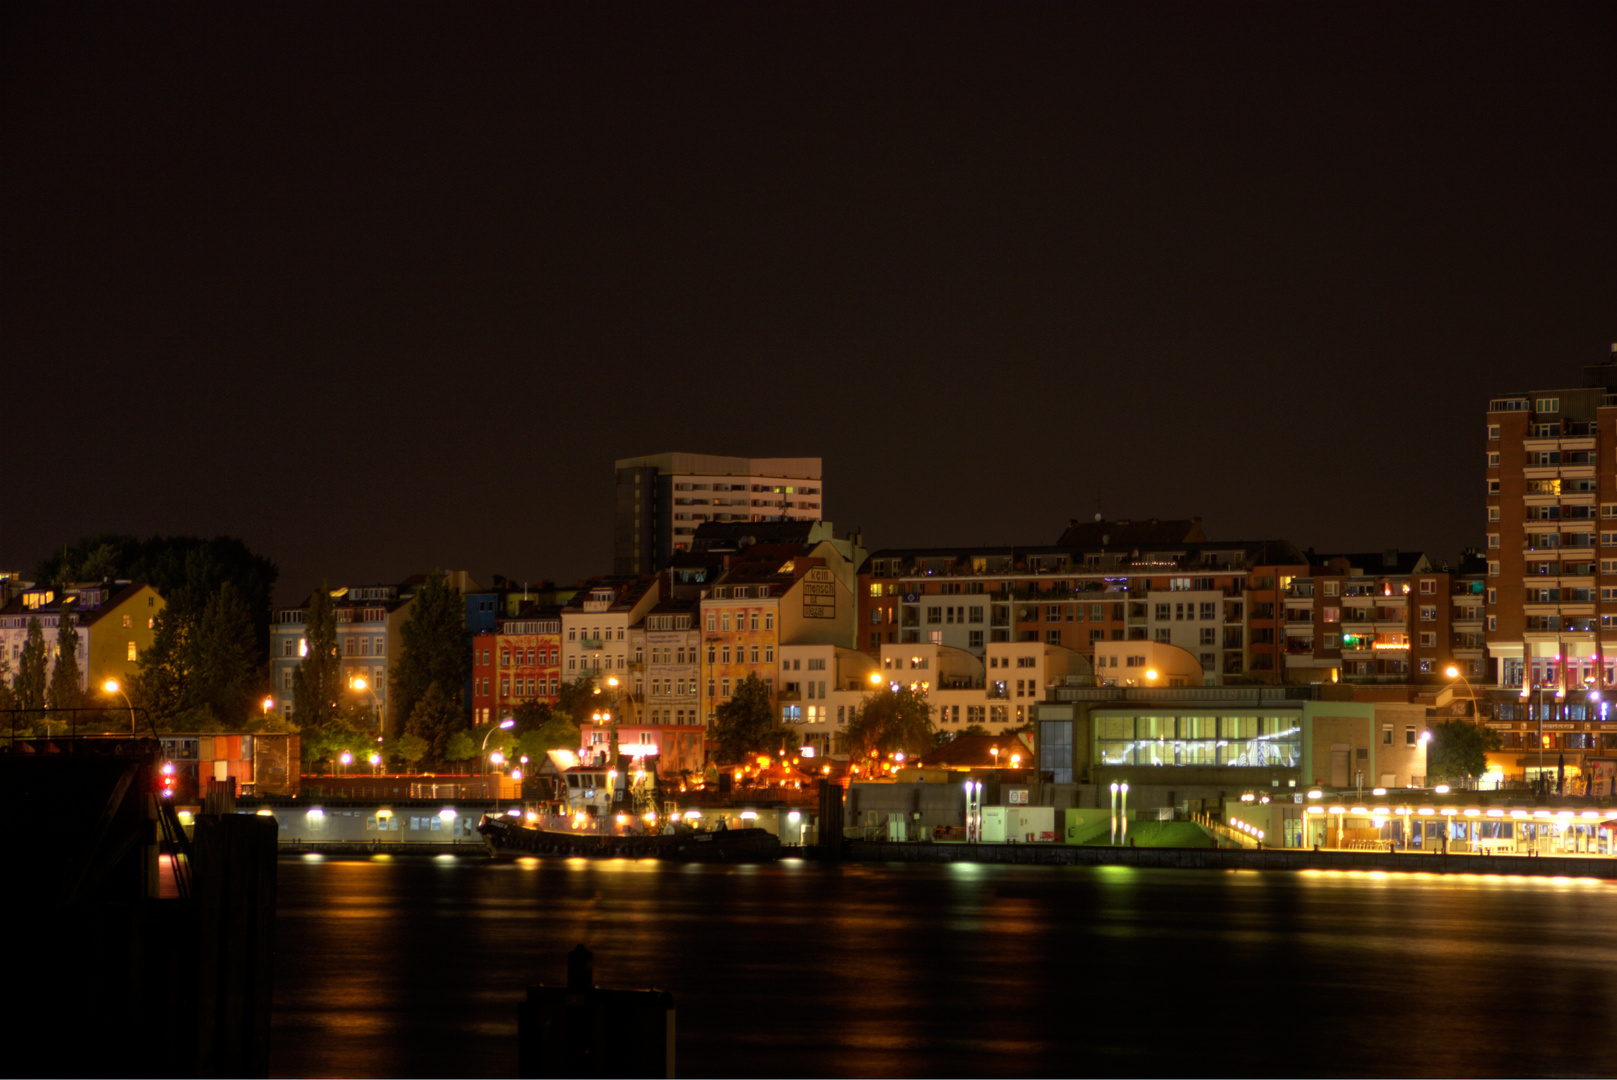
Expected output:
(1551, 600)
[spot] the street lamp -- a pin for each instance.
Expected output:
(266, 705)
(376, 762)
(505, 725)
(111, 686)
(345, 760)
(359, 682)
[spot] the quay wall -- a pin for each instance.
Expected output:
(1188, 858)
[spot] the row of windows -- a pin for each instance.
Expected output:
(744, 619)
(721, 654)
(524, 687)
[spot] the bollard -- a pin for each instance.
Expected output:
(585, 1031)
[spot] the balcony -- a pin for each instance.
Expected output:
(591, 643)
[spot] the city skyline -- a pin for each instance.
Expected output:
(379, 296)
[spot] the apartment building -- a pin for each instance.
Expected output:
(518, 661)
(595, 629)
(115, 621)
(822, 687)
(662, 499)
(670, 640)
(1551, 474)
(1192, 594)
(369, 618)
(771, 595)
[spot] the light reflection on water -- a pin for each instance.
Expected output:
(414, 967)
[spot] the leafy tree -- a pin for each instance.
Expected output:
(410, 749)
(433, 647)
(437, 718)
(460, 747)
(1459, 749)
(221, 669)
(576, 700)
(530, 715)
(186, 570)
(891, 721)
(8, 696)
(557, 733)
(326, 745)
(745, 725)
(100, 564)
(317, 682)
(30, 681)
(159, 683)
(64, 691)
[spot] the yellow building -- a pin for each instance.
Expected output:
(773, 595)
(115, 621)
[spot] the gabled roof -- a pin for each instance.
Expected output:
(107, 596)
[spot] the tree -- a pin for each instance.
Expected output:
(317, 682)
(745, 725)
(437, 717)
(64, 691)
(557, 733)
(410, 749)
(186, 570)
(8, 696)
(159, 683)
(530, 715)
(1459, 749)
(432, 647)
(30, 681)
(890, 722)
(576, 700)
(221, 669)
(460, 747)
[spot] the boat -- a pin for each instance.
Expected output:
(616, 813)
(513, 838)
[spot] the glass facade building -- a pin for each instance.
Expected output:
(1238, 739)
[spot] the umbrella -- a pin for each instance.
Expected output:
(1560, 774)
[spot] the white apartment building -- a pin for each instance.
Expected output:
(822, 687)
(595, 629)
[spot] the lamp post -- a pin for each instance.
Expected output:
(359, 682)
(266, 705)
(345, 760)
(111, 686)
(505, 725)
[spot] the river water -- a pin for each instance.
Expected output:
(414, 967)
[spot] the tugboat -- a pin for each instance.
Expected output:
(614, 814)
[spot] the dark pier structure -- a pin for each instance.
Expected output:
(131, 949)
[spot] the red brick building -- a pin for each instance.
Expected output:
(519, 661)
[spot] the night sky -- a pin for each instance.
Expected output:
(386, 287)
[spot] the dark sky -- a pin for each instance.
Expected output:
(385, 287)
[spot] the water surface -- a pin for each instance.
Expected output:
(414, 967)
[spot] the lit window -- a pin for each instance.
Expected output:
(131, 650)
